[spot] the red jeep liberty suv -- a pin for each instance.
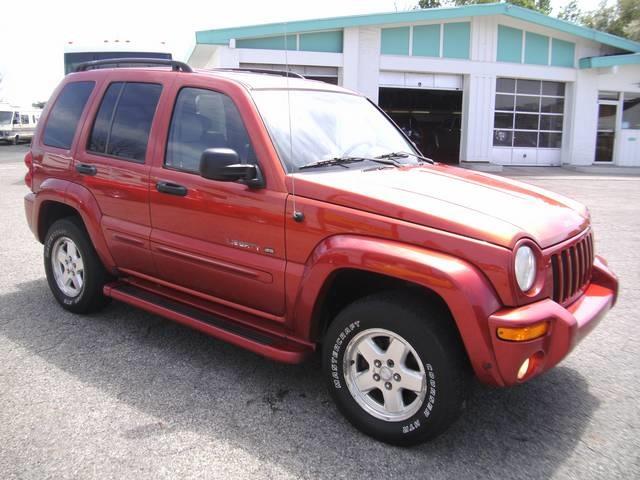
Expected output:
(281, 214)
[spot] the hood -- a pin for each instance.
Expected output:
(474, 204)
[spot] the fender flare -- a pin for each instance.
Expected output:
(468, 294)
(82, 200)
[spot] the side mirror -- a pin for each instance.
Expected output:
(223, 165)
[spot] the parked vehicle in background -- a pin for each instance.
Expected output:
(285, 215)
(18, 124)
(76, 53)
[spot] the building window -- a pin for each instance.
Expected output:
(631, 111)
(528, 113)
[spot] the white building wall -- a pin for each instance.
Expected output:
(348, 74)
(477, 118)
(369, 64)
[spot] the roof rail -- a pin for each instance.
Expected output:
(175, 65)
(281, 73)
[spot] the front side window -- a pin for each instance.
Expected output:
(65, 115)
(309, 126)
(205, 119)
(528, 113)
(122, 125)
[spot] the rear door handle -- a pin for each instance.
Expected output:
(85, 169)
(171, 188)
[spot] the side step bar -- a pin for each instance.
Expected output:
(270, 346)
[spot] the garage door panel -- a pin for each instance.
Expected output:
(420, 80)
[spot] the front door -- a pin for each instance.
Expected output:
(606, 134)
(221, 239)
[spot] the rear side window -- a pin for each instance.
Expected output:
(122, 125)
(63, 119)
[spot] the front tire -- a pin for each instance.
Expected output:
(396, 368)
(16, 139)
(74, 271)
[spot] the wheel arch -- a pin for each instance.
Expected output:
(445, 281)
(58, 199)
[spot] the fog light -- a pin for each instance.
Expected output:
(523, 334)
(524, 368)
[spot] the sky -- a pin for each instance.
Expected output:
(31, 56)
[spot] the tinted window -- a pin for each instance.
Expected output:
(102, 123)
(24, 119)
(204, 119)
(64, 117)
(124, 120)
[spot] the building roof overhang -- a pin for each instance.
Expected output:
(224, 35)
(610, 60)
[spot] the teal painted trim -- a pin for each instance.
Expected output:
(426, 41)
(509, 44)
(322, 42)
(395, 41)
(536, 49)
(456, 39)
(222, 36)
(610, 61)
(562, 53)
(268, 43)
(570, 28)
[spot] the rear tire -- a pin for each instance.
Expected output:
(74, 271)
(396, 368)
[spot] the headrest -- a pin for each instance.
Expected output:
(207, 104)
(191, 128)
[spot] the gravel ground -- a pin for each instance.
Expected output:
(125, 394)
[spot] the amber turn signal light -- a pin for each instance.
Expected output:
(523, 334)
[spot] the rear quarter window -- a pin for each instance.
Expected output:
(65, 114)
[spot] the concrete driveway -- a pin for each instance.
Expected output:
(125, 394)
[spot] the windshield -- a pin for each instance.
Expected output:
(5, 118)
(327, 125)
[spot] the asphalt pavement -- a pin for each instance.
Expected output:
(126, 394)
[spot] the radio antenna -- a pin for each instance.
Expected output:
(297, 216)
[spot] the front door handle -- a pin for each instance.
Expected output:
(171, 188)
(85, 169)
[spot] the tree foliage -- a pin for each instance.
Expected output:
(543, 6)
(570, 12)
(621, 18)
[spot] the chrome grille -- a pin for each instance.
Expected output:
(572, 269)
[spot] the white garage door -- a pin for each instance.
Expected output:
(431, 81)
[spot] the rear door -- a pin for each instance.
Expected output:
(224, 240)
(113, 161)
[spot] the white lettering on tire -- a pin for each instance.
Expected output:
(431, 400)
(336, 352)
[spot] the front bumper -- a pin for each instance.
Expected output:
(567, 326)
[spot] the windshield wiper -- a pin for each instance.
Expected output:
(404, 155)
(342, 161)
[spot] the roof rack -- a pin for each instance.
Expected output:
(175, 65)
(281, 73)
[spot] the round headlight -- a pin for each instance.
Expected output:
(525, 266)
